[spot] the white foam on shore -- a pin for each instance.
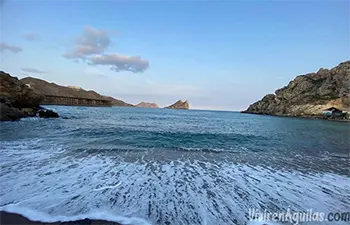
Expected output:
(45, 218)
(262, 223)
(108, 187)
(65, 185)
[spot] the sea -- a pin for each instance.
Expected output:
(161, 166)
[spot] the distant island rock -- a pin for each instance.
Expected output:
(45, 88)
(308, 95)
(179, 105)
(17, 100)
(147, 105)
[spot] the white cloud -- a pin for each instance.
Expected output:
(31, 36)
(32, 70)
(10, 48)
(91, 41)
(90, 47)
(121, 62)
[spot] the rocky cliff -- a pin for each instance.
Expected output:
(179, 105)
(17, 100)
(117, 102)
(309, 94)
(45, 88)
(147, 105)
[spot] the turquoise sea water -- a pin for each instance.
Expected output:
(158, 166)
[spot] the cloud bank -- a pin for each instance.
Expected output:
(32, 70)
(91, 41)
(31, 36)
(11, 48)
(121, 62)
(90, 47)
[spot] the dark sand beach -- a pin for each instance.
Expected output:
(13, 218)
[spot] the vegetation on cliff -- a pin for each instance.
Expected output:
(308, 95)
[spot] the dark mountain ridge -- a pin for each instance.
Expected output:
(45, 88)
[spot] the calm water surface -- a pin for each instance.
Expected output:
(157, 166)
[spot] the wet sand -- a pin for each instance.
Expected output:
(13, 218)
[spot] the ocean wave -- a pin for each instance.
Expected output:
(197, 168)
(174, 192)
(35, 215)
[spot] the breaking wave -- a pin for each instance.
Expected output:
(70, 173)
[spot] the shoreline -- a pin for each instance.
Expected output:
(300, 117)
(7, 218)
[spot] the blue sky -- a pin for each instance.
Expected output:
(216, 54)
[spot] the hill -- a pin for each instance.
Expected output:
(308, 94)
(45, 88)
(147, 105)
(179, 105)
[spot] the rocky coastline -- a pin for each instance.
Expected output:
(308, 95)
(18, 101)
(179, 105)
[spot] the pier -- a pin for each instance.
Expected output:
(74, 101)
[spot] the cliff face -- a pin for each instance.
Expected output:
(16, 99)
(179, 105)
(117, 102)
(45, 88)
(147, 105)
(308, 94)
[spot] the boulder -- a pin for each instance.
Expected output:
(18, 94)
(29, 111)
(9, 113)
(46, 113)
(17, 99)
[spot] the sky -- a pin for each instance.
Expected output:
(218, 55)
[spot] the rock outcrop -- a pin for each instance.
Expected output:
(179, 105)
(16, 99)
(147, 105)
(9, 113)
(45, 88)
(308, 95)
(46, 113)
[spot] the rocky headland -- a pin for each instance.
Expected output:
(18, 101)
(179, 105)
(308, 95)
(45, 88)
(147, 105)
